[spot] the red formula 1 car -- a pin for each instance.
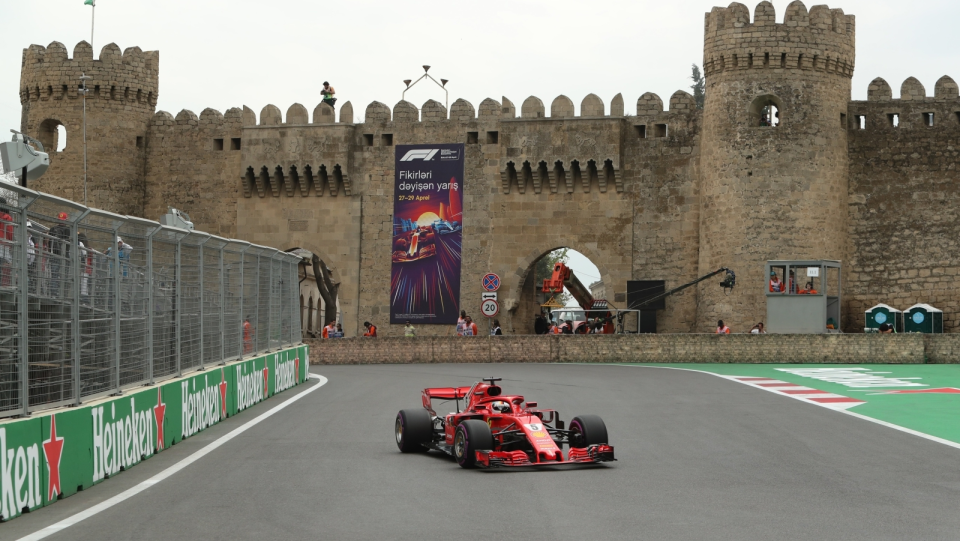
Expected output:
(496, 430)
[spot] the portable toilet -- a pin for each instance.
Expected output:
(923, 318)
(880, 314)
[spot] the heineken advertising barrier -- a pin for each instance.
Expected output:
(52, 456)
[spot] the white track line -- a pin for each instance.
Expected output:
(133, 491)
(904, 429)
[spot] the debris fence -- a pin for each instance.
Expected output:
(92, 303)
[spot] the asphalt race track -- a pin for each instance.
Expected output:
(700, 458)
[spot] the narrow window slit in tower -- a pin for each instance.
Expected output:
(386, 140)
(766, 59)
(928, 119)
(140, 142)
(493, 138)
(894, 119)
(816, 61)
(843, 120)
(217, 144)
(661, 130)
(368, 139)
(783, 60)
(800, 61)
(736, 60)
(750, 61)
(473, 137)
(235, 143)
(96, 91)
(642, 131)
(126, 93)
(861, 122)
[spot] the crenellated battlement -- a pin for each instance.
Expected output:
(914, 109)
(822, 39)
(131, 76)
(461, 111)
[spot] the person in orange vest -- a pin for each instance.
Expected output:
(247, 335)
(776, 286)
(721, 328)
(371, 329)
(808, 289)
(328, 331)
(471, 327)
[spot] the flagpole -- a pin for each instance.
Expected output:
(93, 16)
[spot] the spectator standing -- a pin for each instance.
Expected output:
(776, 286)
(721, 328)
(409, 331)
(328, 94)
(495, 330)
(758, 329)
(462, 323)
(540, 324)
(247, 336)
(567, 327)
(371, 331)
(471, 327)
(339, 333)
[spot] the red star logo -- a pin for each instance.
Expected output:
(223, 394)
(158, 412)
(266, 374)
(296, 367)
(53, 449)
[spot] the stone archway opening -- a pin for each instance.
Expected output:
(319, 288)
(532, 298)
(53, 135)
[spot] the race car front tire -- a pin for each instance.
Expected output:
(587, 430)
(471, 436)
(414, 430)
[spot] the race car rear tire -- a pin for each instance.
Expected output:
(587, 430)
(471, 436)
(414, 430)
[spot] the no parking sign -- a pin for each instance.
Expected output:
(491, 282)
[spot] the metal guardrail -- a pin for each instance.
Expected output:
(92, 303)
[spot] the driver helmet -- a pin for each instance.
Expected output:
(500, 406)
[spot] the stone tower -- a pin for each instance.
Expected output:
(771, 192)
(120, 104)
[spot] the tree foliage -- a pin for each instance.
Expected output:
(699, 87)
(544, 269)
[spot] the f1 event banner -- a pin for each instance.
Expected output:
(51, 456)
(427, 234)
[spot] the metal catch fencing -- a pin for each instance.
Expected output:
(93, 303)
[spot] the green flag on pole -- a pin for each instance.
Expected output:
(90, 3)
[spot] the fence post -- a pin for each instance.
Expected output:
(23, 326)
(243, 291)
(117, 273)
(178, 292)
(256, 337)
(223, 311)
(151, 304)
(75, 309)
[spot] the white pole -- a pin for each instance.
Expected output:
(93, 15)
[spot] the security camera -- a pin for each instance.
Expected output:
(20, 153)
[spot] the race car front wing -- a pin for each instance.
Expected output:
(589, 455)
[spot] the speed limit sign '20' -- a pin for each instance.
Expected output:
(490, 308)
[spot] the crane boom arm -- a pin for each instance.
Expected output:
(563, 276)
(728, 282)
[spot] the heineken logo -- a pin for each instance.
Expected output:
(202, 407)
(120, 441)
(286, 373)
(251, 388)
(20, 476)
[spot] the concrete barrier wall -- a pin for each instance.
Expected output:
(644, 348)
(55, 454)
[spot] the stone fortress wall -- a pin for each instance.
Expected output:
(648, 193)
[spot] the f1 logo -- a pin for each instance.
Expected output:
(425, 154)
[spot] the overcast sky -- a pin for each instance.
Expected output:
(226, 53)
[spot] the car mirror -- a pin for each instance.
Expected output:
(531, 404)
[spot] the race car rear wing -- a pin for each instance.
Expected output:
(443, 393)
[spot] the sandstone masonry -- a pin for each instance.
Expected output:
(646, 192)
